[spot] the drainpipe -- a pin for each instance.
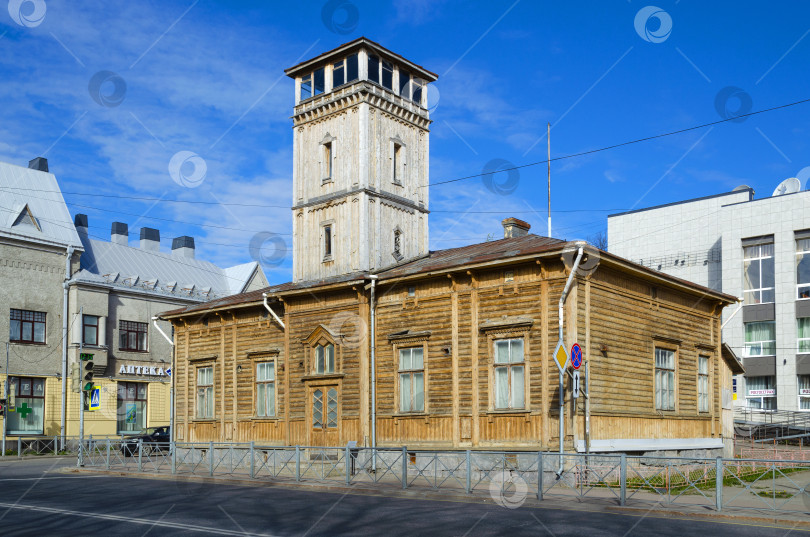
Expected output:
(273, 313)
(561, 315)
(171, 385)
(373, 279)
(731, 317)
(65, 288)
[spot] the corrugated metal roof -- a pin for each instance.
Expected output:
(39, 191)
(434, 261)
(159, 272)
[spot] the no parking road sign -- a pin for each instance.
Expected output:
(576, 356)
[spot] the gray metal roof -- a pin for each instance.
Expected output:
(23, 190)
(160, 272)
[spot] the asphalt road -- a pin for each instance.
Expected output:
(36, 501)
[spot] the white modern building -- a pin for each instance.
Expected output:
(757, 249)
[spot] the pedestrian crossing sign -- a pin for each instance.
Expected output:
(95, 398)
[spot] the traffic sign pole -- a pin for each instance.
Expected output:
(81, 394)
(5, 414)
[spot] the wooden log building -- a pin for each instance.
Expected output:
(381, 342)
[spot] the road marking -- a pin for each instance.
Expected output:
(119, 518)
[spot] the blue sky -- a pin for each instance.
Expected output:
(206, 77)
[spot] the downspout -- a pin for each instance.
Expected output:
(561, 316)
(731, 317)
(373, 332)
(171, 385)
(65, 288)
(273, 313)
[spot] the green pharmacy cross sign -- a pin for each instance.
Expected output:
(24, 410)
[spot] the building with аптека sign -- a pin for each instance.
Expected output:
(379, 341)
(67, 292)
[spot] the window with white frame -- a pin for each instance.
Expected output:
(761, 392)
(324, 358)
(509, 375)
(804, 392)
(664, 379)
(758, 274)
(803, 267)
(266, 389)
(205, 392)
(411, 380)
(703, 383)
(760, 339)
(803, 335)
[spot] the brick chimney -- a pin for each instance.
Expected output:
(183, 247)
(119, 234)
(512, 227)
(150, 239)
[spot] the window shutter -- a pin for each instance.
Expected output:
(76, 330)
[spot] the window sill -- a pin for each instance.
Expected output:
(29, 343)
(133, 351)
(509, 411)
(326, 180)
(203, 420)
(266, 418)
(328, 259)
(410, 415)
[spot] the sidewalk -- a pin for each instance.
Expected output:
(749, 515)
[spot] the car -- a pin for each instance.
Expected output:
(153, 439)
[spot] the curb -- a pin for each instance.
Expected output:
(659, 511)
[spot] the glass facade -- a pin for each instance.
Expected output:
(29, 405)
(132, 406)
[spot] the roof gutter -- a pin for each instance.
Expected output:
(273, 313)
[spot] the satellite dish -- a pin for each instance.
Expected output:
(788, 186)
(741, 187)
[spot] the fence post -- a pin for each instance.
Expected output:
(252, 461)
(55, 446)
(718, 484)
(404, 467)
(108, 454)
(211, 458)
(539, 475)
(347, 461)
(623, 479)
(469, 472)
(173, 448)
(140, 452)
(298, 463)
(230, 464)
(19, 447)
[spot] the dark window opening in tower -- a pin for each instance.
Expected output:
(404, 84)
(418, 84)
(319, 81)
(374, 69)
(351, 68)
(338, 74)
(327, 241)
(388, 75)
(396, 163)
(306, 87)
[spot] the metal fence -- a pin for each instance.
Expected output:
(508, 477)
(49, 445)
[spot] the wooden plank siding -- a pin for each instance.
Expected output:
(617, 317)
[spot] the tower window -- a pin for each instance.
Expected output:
(319, 81)
(374, 69)
(338, 74)
(327, 160)
(351, 68)
(306, 87)
(387, 75)
(418, 84)
(327, 242)
(404, 84)
(396, 160)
